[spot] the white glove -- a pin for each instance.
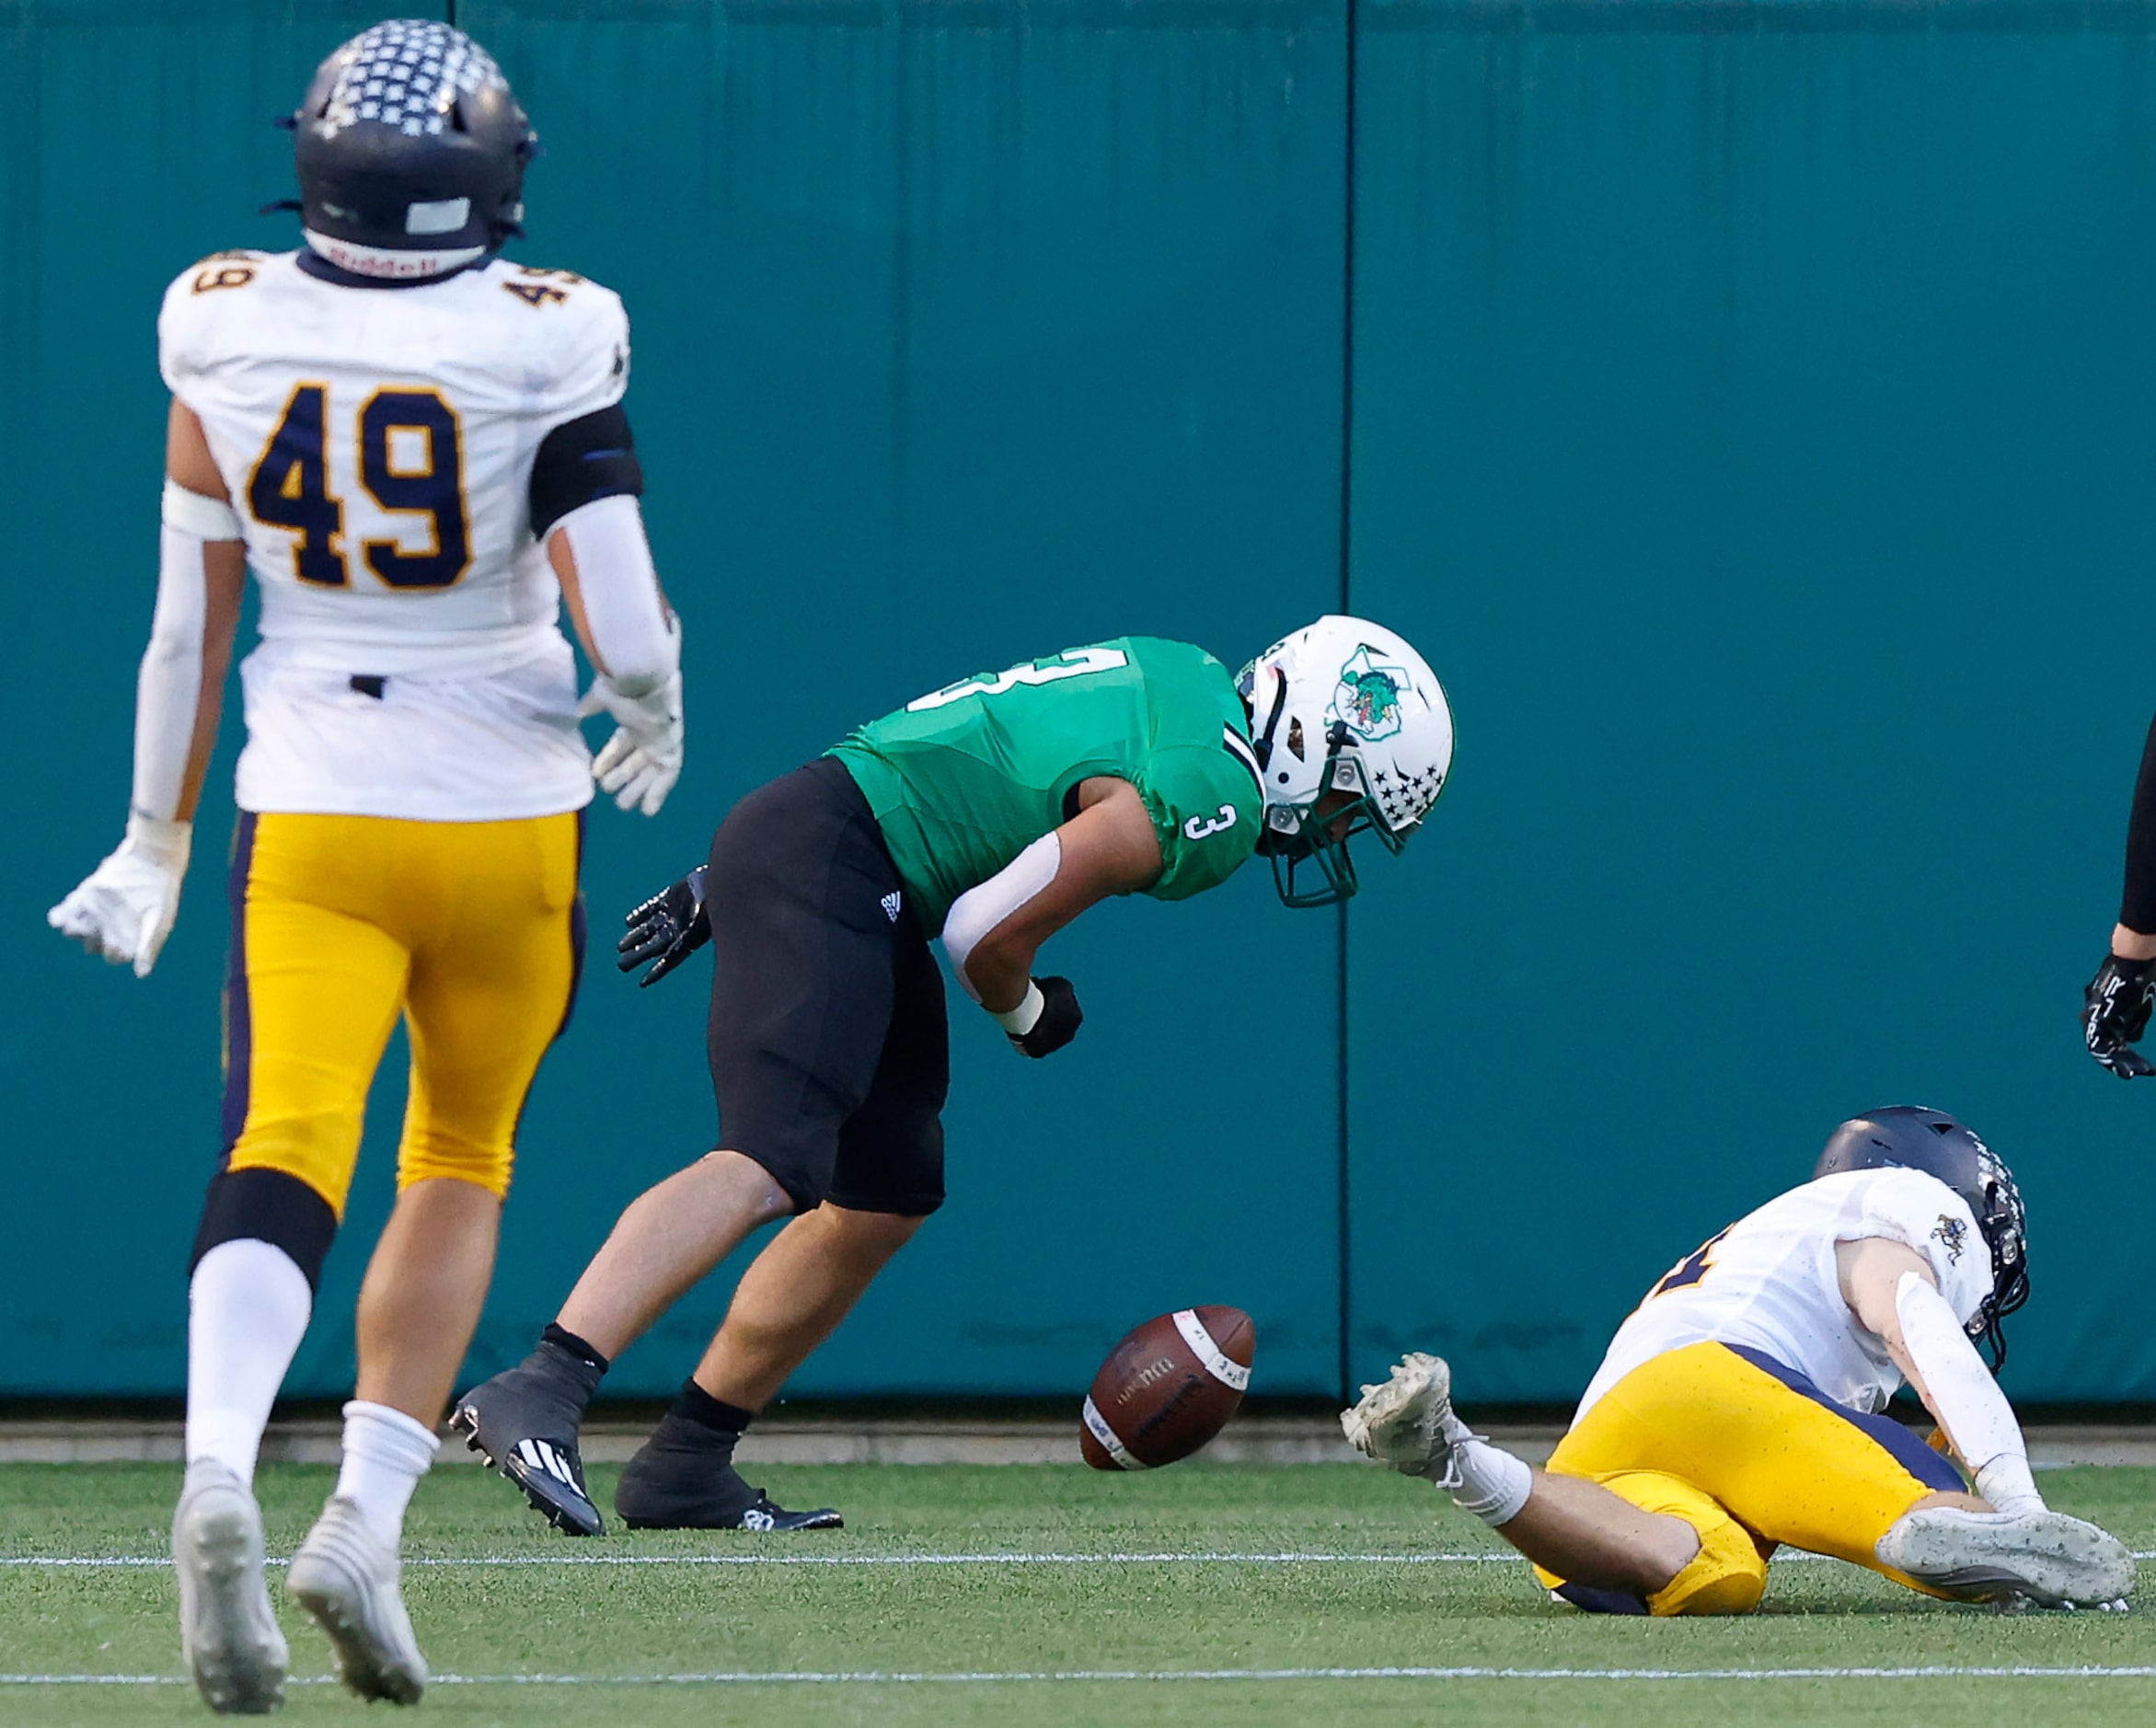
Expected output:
(124, 910)
(640, 763)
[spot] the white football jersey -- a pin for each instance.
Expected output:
(1771, 1283)
(377, 443)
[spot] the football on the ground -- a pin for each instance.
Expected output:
(1167, 1388)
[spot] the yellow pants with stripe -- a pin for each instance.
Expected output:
(471, 931)
(1751, 1456)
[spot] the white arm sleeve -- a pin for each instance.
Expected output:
(980, 909)
(632, 632)
(1965, 1396)
(170, 686)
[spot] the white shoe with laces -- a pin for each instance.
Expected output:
(2031, 1555)
(347, 1578)
(228, 1632)
(1408, 1422)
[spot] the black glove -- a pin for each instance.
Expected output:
(1060, 1018)
(670, 926)
(2115, 1013)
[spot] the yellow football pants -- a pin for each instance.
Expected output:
(1750, 1462)
(472, 931)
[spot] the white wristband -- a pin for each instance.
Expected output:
(165, 843)
(1022, 1019)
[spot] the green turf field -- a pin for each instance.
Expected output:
(1193, 1595)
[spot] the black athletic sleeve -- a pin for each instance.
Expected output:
(2137, 908)
(592, 457)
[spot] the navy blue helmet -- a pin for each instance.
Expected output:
(1907, 1136)
(411, 150)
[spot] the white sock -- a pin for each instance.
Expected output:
(386, 1452)
(1485, 1479)
(246, 1310)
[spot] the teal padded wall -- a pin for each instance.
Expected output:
(953, 346)
(1748, 416)
(1754, 417)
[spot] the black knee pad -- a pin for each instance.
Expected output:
(264, 1205)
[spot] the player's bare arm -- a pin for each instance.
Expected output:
(125, 909)
(603, 562)
(1894, 1295)
(994, 930)
(189, 466)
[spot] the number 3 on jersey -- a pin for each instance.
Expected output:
(410, 459)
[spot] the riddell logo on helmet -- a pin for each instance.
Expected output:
(1367, 696)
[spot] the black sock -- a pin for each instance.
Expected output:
(694, 1404)
(562, 1338)
(568, 1368)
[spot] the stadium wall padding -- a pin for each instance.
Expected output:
(1746, 406)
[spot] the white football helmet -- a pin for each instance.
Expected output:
(1343, 706)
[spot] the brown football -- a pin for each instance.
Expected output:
(1167, 1388)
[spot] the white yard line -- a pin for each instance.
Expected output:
(156, 1563)
(133, 1561)
(1066, 1676)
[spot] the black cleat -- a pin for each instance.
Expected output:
(525, 1425)
(683, 1479)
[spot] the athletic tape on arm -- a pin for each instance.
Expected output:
(632, 632)
(206, 518)
(980, 909)
(168, 688)
(1965, 1396)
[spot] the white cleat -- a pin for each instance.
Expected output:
(346, 1580)
(2037, 1556)
(227, 1630)
(1406, 1422)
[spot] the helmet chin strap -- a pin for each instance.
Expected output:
(1262, 738)
(388, 263)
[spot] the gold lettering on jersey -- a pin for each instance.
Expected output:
(535, 293)
(225, 276)
(538, 292)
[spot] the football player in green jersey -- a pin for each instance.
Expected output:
(988, 813)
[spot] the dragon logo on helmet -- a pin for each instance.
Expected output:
(1367, 697)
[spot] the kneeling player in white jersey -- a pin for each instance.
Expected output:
(1740, 1406)
(417, 450)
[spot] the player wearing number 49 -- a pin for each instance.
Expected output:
(991, 812)
(419, 451)
(1742, 1406)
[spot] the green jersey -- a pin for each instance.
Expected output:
(966, 779)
